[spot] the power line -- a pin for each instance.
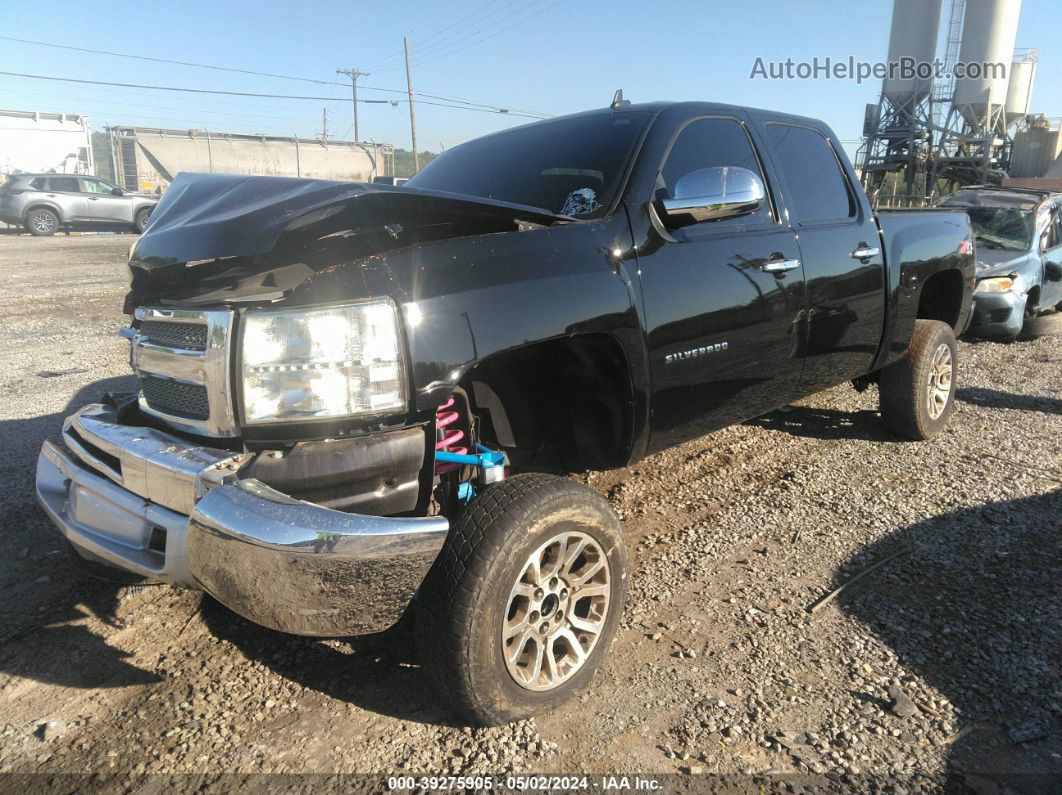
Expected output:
(110, 102)
(246, 93)
(379, 62)
(168, 60)
(442, 46)
(442, 97)
(398, 60)
(125, 93)
(491, 35)
(176, 88)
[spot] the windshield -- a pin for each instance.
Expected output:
(569, 166)
(1002, 227)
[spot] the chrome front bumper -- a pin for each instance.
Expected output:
(151, 503)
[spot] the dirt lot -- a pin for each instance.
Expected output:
(719, 667)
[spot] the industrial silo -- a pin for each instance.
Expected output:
(913, 36)
(1020, 85)
(988, 34)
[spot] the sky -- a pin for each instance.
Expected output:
(547, 57)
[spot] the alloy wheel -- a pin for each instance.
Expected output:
(556, 611)
(940, 376)
(43, 222)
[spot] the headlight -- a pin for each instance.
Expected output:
(999, 284)
(306, 364)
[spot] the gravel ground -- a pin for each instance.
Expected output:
(944, 659)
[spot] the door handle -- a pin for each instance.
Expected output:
(93, 198)
(780, 265)
(863, 251)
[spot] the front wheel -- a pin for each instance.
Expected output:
(917, 393)
(522, 604)
(141, 220)
(1028, 332)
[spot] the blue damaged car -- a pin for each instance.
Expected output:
(1018, 232)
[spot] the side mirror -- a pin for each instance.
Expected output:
(712, 194)
(1053, 271)
(117, 192)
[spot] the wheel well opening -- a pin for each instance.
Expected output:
(563, 405)
(1034, 298)
(41, 206)
(941, 298)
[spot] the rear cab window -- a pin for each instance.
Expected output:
(818, 188)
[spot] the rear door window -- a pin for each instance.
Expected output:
(64, 184)
(818, 189)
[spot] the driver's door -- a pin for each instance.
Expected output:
(1051, 254)
(103, 205)
(723, 299)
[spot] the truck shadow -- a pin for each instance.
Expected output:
(993, 398)
(822, 423)
(53, 594)
(973, 610)
(379, 673)
(46, 645)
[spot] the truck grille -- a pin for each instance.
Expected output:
(190, 336)
(176, 398)
(181, 358)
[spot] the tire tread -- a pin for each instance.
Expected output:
(900, 387)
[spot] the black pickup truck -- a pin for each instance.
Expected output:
(358, 402)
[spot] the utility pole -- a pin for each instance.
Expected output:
(324, 126)
(354, 74)
(412, 112)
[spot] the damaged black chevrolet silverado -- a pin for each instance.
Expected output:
(355, 399)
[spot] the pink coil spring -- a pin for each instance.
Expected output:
(447, 436)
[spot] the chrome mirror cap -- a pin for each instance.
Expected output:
(712, 194)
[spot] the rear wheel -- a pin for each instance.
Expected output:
(522, 604)
(917, 393)
(41, 222)
(141, 219)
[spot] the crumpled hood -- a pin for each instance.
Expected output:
(997, 262)
(217, 237)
